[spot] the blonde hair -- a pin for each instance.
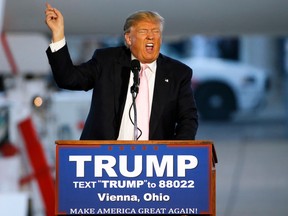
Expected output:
(140, 16)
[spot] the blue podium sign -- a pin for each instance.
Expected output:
(133, 179)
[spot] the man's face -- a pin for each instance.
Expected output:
(144, 40)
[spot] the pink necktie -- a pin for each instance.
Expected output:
(142, 104)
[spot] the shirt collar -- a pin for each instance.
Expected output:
(151, 66)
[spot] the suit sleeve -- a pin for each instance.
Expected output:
(187, 117)
(70, 76)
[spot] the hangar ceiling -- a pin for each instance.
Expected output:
(183, 17)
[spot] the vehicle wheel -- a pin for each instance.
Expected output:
(215, 101)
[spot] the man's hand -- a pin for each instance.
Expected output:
(55, 22)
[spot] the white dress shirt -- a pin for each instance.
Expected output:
(57, 45)
(127, 128)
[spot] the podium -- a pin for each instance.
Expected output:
(135, 177)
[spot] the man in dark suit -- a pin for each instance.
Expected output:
(173, 112)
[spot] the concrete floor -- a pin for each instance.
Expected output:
(252, 172)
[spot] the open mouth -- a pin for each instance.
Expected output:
(149, 47)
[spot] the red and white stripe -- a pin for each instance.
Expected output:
(39, 164)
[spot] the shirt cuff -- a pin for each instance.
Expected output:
(57, 45)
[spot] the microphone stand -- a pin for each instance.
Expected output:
(135, 68)
(134, 91)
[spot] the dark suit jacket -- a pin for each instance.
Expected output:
(173, 114)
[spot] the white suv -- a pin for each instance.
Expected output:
(222, 87)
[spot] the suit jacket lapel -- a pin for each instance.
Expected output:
(121, 79)
(160, 88)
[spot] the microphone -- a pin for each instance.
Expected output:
(135, 68)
